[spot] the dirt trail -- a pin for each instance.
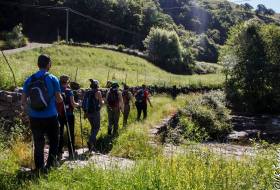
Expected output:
(29, 46)
(99, 160)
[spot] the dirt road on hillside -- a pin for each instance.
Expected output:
(29, 46)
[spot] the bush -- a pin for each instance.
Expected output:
(206, 116)
(164, 48)
(15, 38)
(252, 65)
(121, 47)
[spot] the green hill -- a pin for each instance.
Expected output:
(98, 64)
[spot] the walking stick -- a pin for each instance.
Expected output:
(68, 131)
(32, 153)
(81, 126)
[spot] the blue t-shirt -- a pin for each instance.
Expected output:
(53, 87)
(68, 95)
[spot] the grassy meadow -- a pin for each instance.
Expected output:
(196, 170)
(99, 64)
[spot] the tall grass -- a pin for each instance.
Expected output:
(195, 171)
(99, 64)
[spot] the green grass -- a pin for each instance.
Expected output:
(98, 63)
(199, 169)
(194, 171)
(2, 44)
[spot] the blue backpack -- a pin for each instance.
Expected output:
(38, 93)
(140, 96)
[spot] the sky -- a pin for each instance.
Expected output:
(273, 4)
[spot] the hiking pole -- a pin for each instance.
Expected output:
(32, 153)
(68, 131)
(76, 74)
(10, 68)
(81, 126)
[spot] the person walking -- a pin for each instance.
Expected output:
(41, 91)
(127, 99)
(114, 102)
(66, 107)
(142, 97)
(92, 104)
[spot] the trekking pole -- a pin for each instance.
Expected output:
(76, 74)
(125, 78)
(10, 68)
(81, 126)
(108, 75)
(68, 132)
(32, 153)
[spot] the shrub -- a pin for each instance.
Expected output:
(252, 64)
(121, 47)
(192, 131)
(15, 38)
(206, 116)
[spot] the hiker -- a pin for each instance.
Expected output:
(174, 92)
(141, 99)
(127, 99)
(114, 102)
(92, 104)
(66, 107)
(41, 91)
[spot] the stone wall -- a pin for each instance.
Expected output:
(9, 104)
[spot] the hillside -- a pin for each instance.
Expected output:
(201, 25)
(98, 63)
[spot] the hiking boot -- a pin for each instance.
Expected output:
(75, 156)
(89, 146)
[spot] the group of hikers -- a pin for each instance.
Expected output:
(50, 103)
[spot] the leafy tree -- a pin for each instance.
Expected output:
(270, 12)
(252, 64)
(165, 49)
(207, 49)
(261, 9)
(247, 7)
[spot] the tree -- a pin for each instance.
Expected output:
(261, 9)
(165, 49)
(252, 62)
(247, 7)
(270, 12)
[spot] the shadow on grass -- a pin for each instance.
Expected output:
(104, 144)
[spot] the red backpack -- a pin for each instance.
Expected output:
(113, 98)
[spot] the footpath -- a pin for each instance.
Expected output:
(29, 46)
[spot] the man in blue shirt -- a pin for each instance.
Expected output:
(43, 121)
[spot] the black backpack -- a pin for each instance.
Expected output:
(90, 103)
(140, 96)
(67, 100)
(113, 98)
(126, 97)
(38, 93)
